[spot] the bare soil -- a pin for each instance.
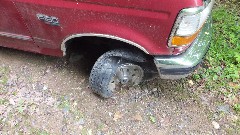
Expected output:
(40, 95)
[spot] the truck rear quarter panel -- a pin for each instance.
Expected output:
(145, 22)
(13, 31)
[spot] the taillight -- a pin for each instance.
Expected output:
(189, 23)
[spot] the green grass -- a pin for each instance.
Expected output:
(39, 132)
(4, 73)
(236, 107)
(222, 65)
(3, 101)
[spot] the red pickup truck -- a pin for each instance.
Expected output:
(136, 38)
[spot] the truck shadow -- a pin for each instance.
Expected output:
(81, 64)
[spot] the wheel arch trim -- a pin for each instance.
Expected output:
(63, 45)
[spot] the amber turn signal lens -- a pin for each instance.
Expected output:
(180, 41)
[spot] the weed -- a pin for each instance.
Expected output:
(68, 106)
(64, 103)
(101, 126)
(234, 129)
(4, 71)
(86, 132)
(21, 107)
(39, 132)
(77, 114)
(3, 101)
(236, 107)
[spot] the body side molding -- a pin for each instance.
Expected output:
(16, 36)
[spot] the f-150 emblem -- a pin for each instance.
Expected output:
(48, 19)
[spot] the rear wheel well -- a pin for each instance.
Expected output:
(92, 48)
(96, 46)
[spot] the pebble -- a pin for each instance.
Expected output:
(224, 108)
(215, 125)
(81, 121)
(12, 102)
(45, 87)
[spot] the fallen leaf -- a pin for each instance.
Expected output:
(117, 116)
(233, 84)
(137, 117)
(152, 119)
(215, 125)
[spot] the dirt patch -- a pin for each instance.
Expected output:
(38, 95)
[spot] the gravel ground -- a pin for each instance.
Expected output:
(38, 95)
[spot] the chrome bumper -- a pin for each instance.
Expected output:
(180, 66)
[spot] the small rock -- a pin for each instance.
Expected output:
(64, 129)
(65, 110)
(138, 117)
(89, 132)
(110, 114)
(190, 82)
(224, 108)
(215, 125)
(154, 89)
(45, 87)
(9, 82)
(183, 124)
(100, 133)
(48, 70)
(81, 121)
(117, 116)
(12, 102)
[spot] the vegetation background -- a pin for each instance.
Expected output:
(221, 71)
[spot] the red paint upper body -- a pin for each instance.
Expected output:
(147, 23)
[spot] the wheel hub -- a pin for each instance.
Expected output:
(129, 74)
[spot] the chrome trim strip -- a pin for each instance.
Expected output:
(188, 11)
(194, 54)
(63, 46)
(16, 36)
